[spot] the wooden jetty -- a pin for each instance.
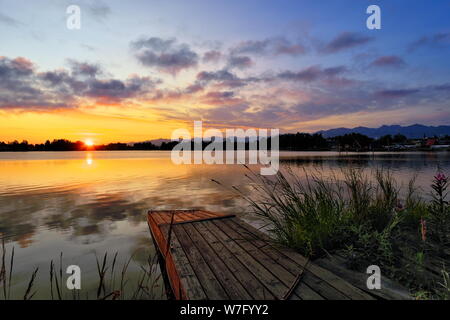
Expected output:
(207, 255)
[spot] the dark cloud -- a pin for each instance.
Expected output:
(388, 61)
(116, 90)
(18, 67)
(21, 87)
(345, 41)
(221, 75)
(194, 88)
(441, 39)
(220, 98)
(165, 54)
(240, 62)
(212, 56)
(312, 73)
(443, 87)
(395, 93)
(223, 78)
(84, 68)
(270, 46)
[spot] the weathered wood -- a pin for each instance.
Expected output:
(333, 280)
(255, 288)
(217, 256)
(389, 290)
(182, 272)
(273, 284)
(247, 243)
(231, 285)
(206, 277)
(306, 293)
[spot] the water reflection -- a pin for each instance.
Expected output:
(86, 203)
(89, 160)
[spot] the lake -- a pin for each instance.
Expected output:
(87, 203)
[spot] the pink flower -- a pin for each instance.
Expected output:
(440, 177)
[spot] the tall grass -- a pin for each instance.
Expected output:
(362, 217)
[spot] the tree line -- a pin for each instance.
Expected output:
(287, 142)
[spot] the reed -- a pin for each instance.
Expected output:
(361, 217)
(146, 287)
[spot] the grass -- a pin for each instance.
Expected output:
(113, 282)
(362, 218)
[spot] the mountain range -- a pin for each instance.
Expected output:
(411, 132)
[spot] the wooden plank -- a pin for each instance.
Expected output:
(184, 216)
(158, 218)
(272, 283)
(214, 256)
(306, 293)
(211, 286)
(240, 271)
(303, 290)
(389, 290)
(333, 280)
(246, 243)
(323, 288)
(293, 267)
(231, 285)
(185, 272)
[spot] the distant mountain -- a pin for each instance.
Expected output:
(413, 131)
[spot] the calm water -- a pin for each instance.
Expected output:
(88, 203)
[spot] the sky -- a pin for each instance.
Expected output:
(138, 70)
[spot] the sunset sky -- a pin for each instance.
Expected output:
(137, 70)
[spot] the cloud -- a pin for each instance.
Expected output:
(346, 40)
(99, 10)
(240, 62)
(84, 68)
(388, 61)
(270, 46)
(7, 20)
(165, 55)
(223, 78)
(22, 87)
(441, 39)
(18, 67)
(115, 90)
(395, 93)
(212, 56)
(214, 98)
(312, 73)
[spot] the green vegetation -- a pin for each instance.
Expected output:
(364, 219)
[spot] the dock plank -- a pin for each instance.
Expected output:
(273, 284)
(255, 288)
(219, 256)
(247, 242)
(333, 280)
(206, 277)
(231, 285)
(190, 284)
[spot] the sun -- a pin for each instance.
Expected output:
(89, 143)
